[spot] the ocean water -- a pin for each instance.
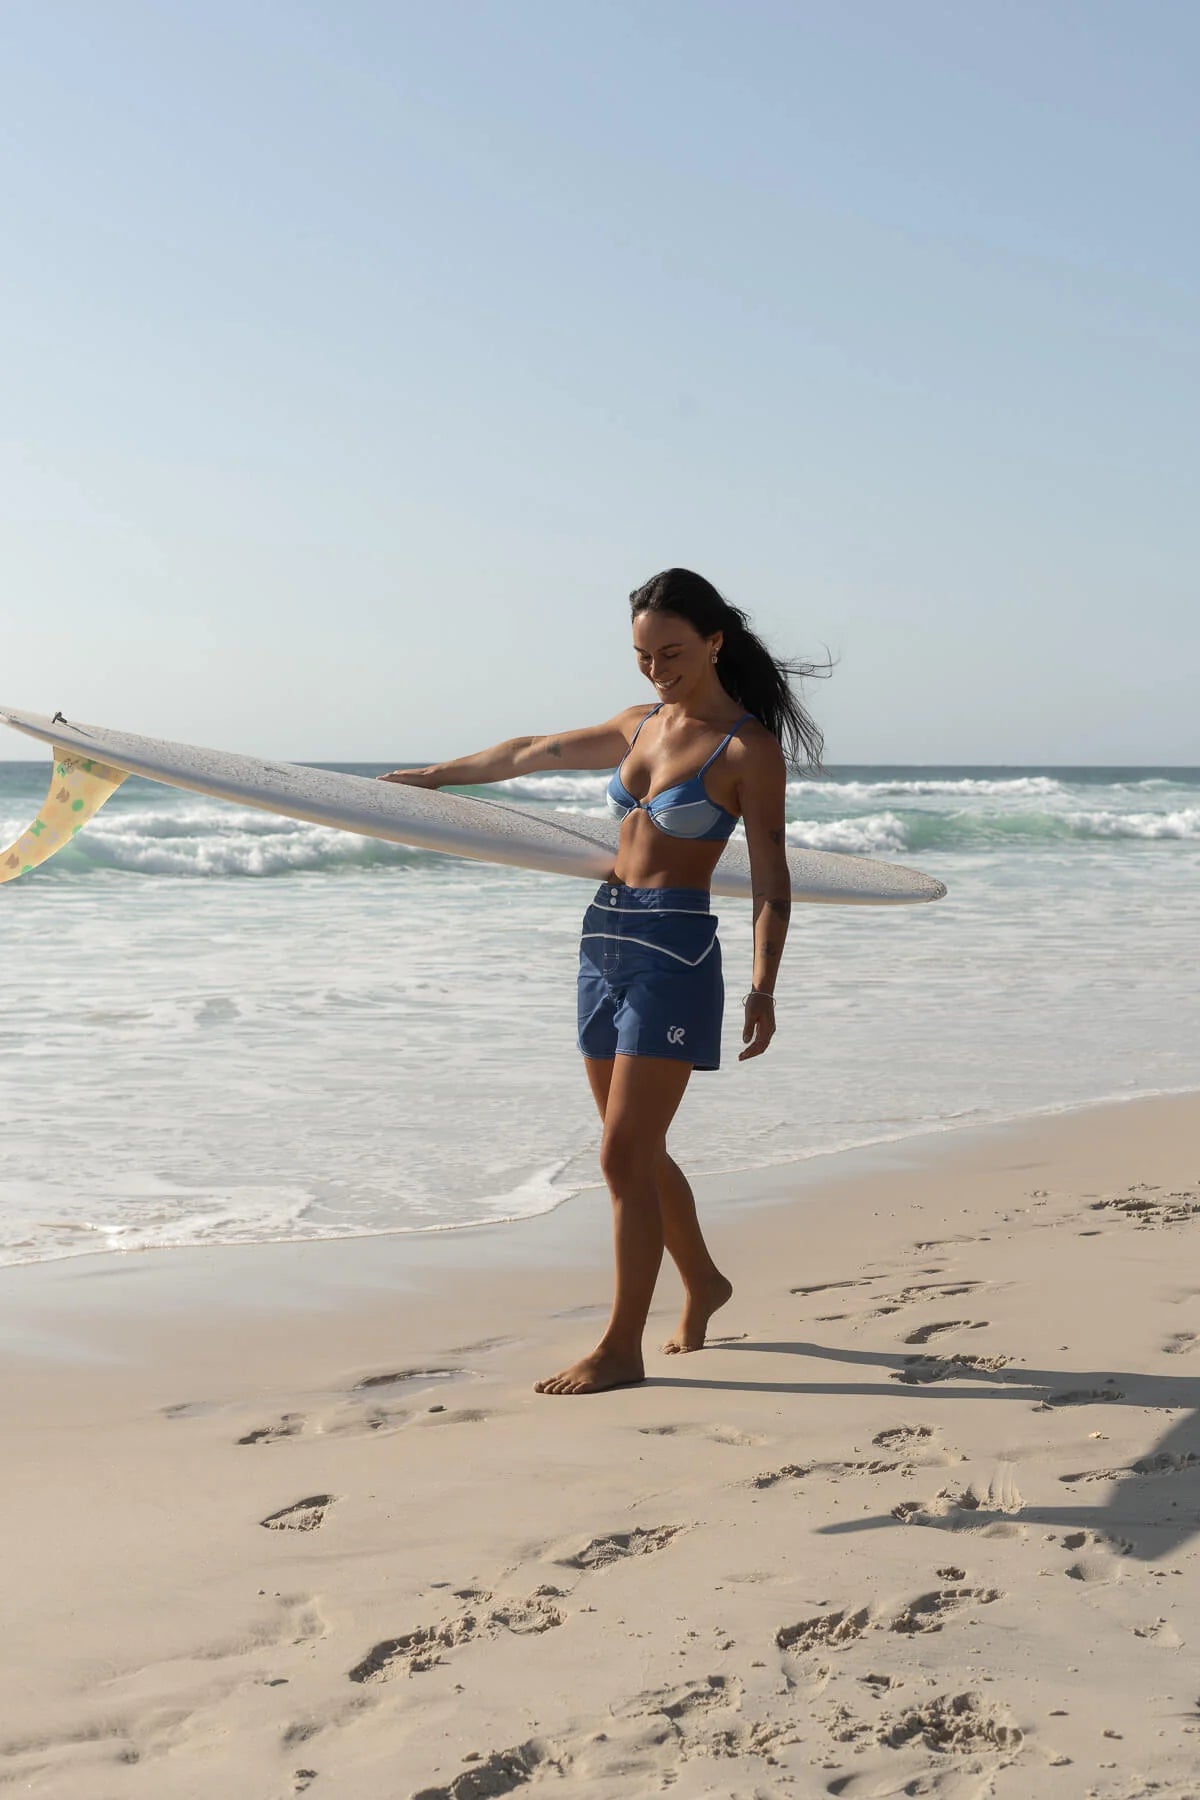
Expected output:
(221, 1026)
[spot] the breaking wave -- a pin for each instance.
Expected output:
(147, 831)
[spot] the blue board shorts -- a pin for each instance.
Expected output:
(650, 976)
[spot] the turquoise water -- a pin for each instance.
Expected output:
(224, 1026)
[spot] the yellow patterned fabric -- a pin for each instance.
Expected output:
(79, 789)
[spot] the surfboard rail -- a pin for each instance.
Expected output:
(484, 830)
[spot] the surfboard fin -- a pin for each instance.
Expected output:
(78, 789)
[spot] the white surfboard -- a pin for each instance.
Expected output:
(91, 762)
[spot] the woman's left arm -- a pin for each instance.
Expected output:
(762, 791)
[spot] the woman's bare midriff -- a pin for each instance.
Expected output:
(648, 858)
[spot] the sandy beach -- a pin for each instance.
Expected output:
(922, 1520)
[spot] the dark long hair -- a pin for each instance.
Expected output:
(747, 670)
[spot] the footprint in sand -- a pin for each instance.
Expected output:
(824, 1287)
(961, 1723)
(625, 1745)
(354, 1419)
(827, 1631)
(420, 1650)
(290, 1425)
(917, 1445)
(986, 1509)
(921, 1370)
(1098, 1564)
(462, 1415)
(706, 1721)
(768, 1478)
(681, 1704)
(1151, 1215)
(872, 1466)
(789, 1472)
(1079, 1397)
(501, 1772)
(416, 1651)
(189, 1409)
(369, 1407)
(1160, 1631)
(602, 1552)
(300, 1732)
(394, 1377)
(954, 1726)
(287, 1619)
(1162, 1462)
(928, 1612)
(1098, 1571)
(301, 1515)
(714, 1434)
(932, 1290)
(923, 1333)
(1180, 1342)
(911, 1295)
(836, 1630)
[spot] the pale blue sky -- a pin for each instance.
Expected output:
(360, 358)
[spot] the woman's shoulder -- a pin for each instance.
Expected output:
(633, 718)
(756, 750)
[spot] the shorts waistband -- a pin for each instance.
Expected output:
(615, 896)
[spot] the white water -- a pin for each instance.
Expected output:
(223, 1026)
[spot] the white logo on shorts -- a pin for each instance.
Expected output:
(675, 1034)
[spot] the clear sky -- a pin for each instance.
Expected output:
(359, 358)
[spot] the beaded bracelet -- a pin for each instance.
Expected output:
(757, 994)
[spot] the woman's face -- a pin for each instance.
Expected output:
(672, 655)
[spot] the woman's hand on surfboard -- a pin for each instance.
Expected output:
(426, 778)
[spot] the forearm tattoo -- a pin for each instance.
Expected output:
(779, 906)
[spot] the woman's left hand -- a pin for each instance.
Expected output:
(759, 1028)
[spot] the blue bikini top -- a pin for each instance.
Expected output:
(683, 811)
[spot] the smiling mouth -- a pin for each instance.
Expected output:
(662, 686)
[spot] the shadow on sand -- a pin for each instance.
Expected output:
(1153, 1505)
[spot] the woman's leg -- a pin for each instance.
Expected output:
(705, 1288)
(643, 1095)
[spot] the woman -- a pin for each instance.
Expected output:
(710, 751)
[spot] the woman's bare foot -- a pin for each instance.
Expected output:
(594, 1374)
(698, 1309)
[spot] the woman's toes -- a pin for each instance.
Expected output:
(594, 1374)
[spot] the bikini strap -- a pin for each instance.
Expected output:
(633, 740)
(731, 733)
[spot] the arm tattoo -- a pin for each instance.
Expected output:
(553, 747)
(782, 909)
(776, 837)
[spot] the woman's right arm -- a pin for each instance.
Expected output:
(595, 747)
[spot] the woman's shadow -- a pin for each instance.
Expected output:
(1153, 1503)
